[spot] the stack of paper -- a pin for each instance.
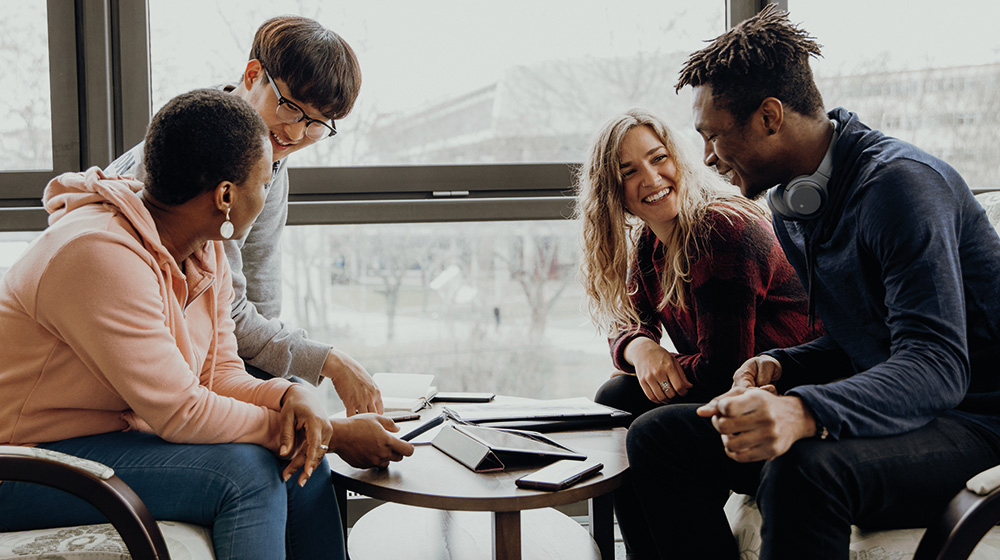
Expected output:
(542, 415)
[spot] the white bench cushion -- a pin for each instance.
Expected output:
(101, 542)
(900, 544)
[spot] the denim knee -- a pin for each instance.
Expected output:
(245, 471)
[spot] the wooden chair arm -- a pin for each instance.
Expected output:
(968, 518)
(95, 483)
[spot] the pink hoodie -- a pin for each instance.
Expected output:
(102, 331)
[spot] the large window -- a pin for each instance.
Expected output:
(460, 89)
(920, 71)
(483, 306)
(459, 82)
(25, 113)
(387, 258)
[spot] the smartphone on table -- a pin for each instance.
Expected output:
(559, 475)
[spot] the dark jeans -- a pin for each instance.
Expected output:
(808, 498)
(233, 488)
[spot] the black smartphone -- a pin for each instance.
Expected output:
(462, 396)
(559, 475)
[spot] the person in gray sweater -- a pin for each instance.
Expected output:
(301, 78)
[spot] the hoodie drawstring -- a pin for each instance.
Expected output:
(810, 267)
(215, 338)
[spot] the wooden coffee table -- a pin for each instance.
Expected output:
(445, 488)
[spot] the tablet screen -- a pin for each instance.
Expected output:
(500, 440)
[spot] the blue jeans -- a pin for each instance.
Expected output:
(235, 489)
(808, 498)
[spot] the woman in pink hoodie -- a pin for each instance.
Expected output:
(119, 347)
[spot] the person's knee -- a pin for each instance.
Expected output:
(614, 392)
(320, 482)
(244, 470)
(808, 472)
(657, 434)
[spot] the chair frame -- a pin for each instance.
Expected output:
(964, 523)
(110, 495)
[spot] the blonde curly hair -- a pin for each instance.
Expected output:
(610, 233)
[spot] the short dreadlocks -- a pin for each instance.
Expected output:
(764, 56)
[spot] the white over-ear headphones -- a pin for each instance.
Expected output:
(803, 197)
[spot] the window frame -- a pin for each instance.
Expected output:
(91, 118)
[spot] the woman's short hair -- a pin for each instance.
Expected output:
(318, 66)
(199, 139)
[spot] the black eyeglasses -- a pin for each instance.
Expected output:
(290, 113)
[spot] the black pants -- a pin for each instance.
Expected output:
(809, 497)
(624, 393)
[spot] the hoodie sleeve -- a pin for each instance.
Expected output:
(102, 297)
(227, 376)
(815, 362)
(909, 223)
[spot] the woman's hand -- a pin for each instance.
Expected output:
(364, 441)
(305, 431)
(660, 376)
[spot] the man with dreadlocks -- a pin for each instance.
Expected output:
(881, 421)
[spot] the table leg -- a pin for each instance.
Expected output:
(507, 535)
(341, 493)
(602, 524)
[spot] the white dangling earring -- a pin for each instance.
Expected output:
(226, 229)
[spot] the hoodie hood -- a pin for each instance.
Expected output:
(71, 191)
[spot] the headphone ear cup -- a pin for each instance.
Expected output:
(804, 198)
(776, 203)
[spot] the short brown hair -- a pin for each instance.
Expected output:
(319, 67)
(764, 56)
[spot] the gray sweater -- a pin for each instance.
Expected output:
(265, 342)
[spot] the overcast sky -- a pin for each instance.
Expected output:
(413, 52)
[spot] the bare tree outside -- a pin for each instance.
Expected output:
(25, 114)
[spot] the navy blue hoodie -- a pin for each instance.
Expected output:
(905, 272)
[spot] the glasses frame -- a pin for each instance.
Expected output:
(282, 100)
